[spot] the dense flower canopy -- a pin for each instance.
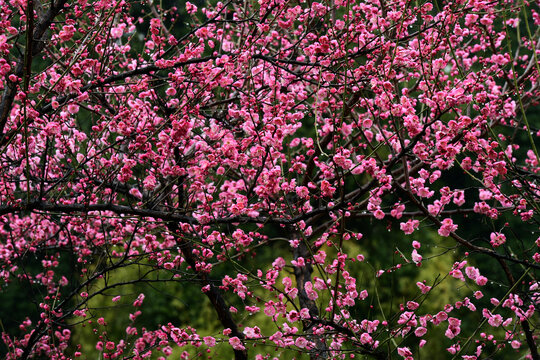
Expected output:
(293, 161)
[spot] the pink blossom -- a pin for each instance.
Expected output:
(150, 182)
(190, 8)
(404, 352)
(472, 272)
(302, 192)
(379, 214)
(252, 332)
(447, 227)
(423, 288)
(420, 331)
(495, 320)
(301, 342)
(311, 293)
(236, 343)
(67, 32)
(326, 189)
(409, 226)
(117, 31)
(365, 338)
(363, 294)
(416, 258)
(453, 349)
(497, 239)
(481, 280)
(136, 193)
(170, 91)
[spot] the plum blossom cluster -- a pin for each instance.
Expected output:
(259, 157)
